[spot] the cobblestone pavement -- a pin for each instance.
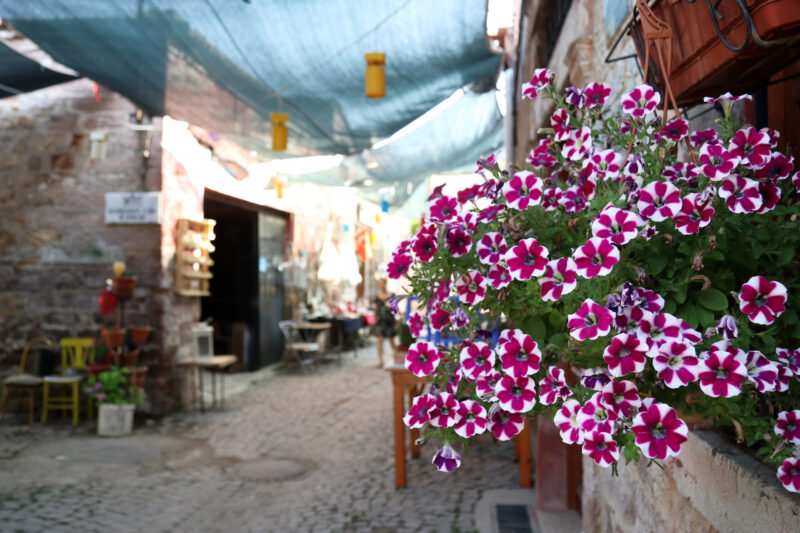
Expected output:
(290, 453)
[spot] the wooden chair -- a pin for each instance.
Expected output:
(303, 352)
(27, 379)
(76, 354)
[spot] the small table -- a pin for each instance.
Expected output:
(217, 364)
(315, 329)
(407, 385)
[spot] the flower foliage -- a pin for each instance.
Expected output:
(635, 270)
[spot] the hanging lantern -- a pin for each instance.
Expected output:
(280, 133)
(375, 80)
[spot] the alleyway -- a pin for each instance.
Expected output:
(289, 453)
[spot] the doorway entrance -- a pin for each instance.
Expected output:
(247, 292)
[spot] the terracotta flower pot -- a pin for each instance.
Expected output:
(130, 358)
(114, 338)
(139, 334)
(123, 286)
(94, 369)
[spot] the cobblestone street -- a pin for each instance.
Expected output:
(290, 452)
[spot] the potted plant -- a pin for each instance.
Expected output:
(656, 273)
(117, 401)
(139, 334)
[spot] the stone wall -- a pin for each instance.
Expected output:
(711, 486)
(55, 249)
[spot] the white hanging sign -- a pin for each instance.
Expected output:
(133, 208)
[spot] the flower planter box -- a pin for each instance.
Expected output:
(701, 63)
(115, 420)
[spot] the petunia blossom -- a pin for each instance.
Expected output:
(444, 413)
(446, 459)
(622, 397)
(674, 130)
(516, 395)
(425, 246)
(439, 318)
(485, 385)
(399, 265)
(677, 364)
(595, 416)
(473, 419)
(778, 167)
(721, 373)
(471, 287)
(626, 354)
(419, 414)
(641, 101)
(566, 419)
(541, 79)
(551, 199)
(751, 146)
(526, 259)
(789, 474)
(577, 144)
(477, 360)
(422, 359)
(762, 300)
(491, 248)
(499, 276)
(601, 447)
(740, 194)
(607, 164)
(504, 425)
(559, 278)
(590, 321)
(560, 123)
(596, 94)
(443, 209)
(524, 189)
(716, 162)
(761, 371)
(788, 426)
(519, 355)
(659, 432)
(617, 225)
(693, 214)
(701, 137)
(595, 258)
(553, 387)
(573, 200)
(458, 242)
(659, 200)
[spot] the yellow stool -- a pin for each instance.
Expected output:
(76, 353)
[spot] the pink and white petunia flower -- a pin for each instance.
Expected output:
(693, 214)
(439, 318)
(566, 419)
(415, 324)
(770, 196)
(551, 199)
(422, 359)
(659, 432)
(491, 248)
(519, 355)
(726, 100)
(526, 259)
(573, 200)
(680, 172)
(751, 146)
(617, 225)
(761, 371)
(699, 138)
(578, 144)
(399, 265)
(601, 447)
(590, 321)
(504, 425)
(443, 209)
(524, 189)
(540, 157)
(473, 419)
(477, 360)
(721, 374)
(790, 358)
(553, 387)
(446, 459)
(689, 334)
(627, 353)
(788, 426)
(595, 258)
(785, 376)
(486, 384)
(594, 416)
(716, 162)
(596, 94)
(789, 474)
(762, 300)
(740, 194)
(508, 334)
(459, 242)
(631, 318)
(659, 328)
(499, 276)
(444, 413)
(516, 395)
(559, 278)
(641, 101)
(674, 130)
(677, 364)
(778, 167)
(650, 300)
(622, 397)
(425, 246)
(419, 414)
(659, 201)
(607, 163)
(541, 78)
(471, 287)
(560, 122)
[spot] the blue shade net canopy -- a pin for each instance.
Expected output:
(18, 74)
(225, 65)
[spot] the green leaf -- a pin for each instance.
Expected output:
(705, 317)
(535, 328)
(712, 299)
(656, 263)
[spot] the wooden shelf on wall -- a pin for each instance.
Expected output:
(192, 257)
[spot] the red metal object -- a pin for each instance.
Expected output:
(701, 64)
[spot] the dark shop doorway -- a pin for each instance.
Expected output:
(247, 292)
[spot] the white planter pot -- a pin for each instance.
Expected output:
(115, 420)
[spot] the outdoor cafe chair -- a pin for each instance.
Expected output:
(303, 352)
(76, 354)
(28, 378)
